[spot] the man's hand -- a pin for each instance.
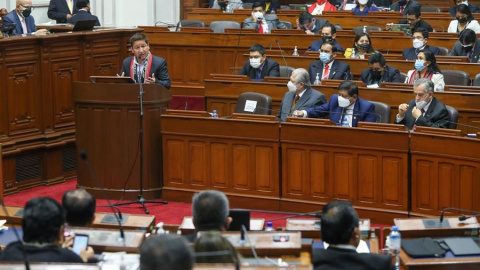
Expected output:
(87, 254)
(402, 109)
(297, 113)
(298, 25)
(253, 17)
(151, 79)
(68, 241)
(308, 32)
(41, 32)
(416, 113)
(121, 75)
(69, 16)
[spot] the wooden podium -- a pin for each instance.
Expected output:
(107, 127)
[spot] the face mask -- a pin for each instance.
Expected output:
(462, 20)
(419, 64)
(324, 57)
(364, 46)
(326, 38)
(421, 104)
(343, 102)
(376, 74)
(467, 48)
(463, 3)
(291, 86)
(26, 12)
(417, 44)
(362, 2)
(258, 15)
(255, 62)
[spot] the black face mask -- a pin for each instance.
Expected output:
(26, 12)
(461, 20)
(468, 48)
(223, 5)
(376, 75)
(326, 39)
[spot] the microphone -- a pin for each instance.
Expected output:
(17, 236)
(84, 157)
(463, 218)
(7, 29)
(463, 125)
(119, 213)
(254, 252)
(236, 51)
(283, 56)
(316, 214)
(184, 106)
(372, 22)
(166, 24)
(456, 209)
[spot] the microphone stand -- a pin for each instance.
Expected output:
(140, 199)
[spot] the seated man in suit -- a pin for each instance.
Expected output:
(259, 65)
(61, 10)
(210, 210)
(21, 18)
(453, 10)
(419, 40)
(467, 45)
(300, 95)
(310, 24)
(327, 67)
(166, 252)
(414, 18)
(424, 110)
(340, 229)
(345, 109)
(403, 5)
(83, 13)
(379, 72)
(261, 22)
(143, 66)
(79, 208)
(328, 33)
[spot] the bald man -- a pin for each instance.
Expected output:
(21, 18)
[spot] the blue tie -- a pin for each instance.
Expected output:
(345, 121)
(259, 74)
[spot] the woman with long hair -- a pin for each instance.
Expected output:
(362, 45)
(426, 67)
(363, 7)
(464, 20)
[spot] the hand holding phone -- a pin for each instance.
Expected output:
(80, 242)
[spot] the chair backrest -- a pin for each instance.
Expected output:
(383, 110)
(443, 51)
(191, 23)
(403, 76)
(452, 117)
(219, 26)
(286, 71)
(430, 9)
(284, 7)
(338, 26)
(247, 5)
(358, 30)
(456, 77)
(476, 80)
(263, 106)
(288, 24)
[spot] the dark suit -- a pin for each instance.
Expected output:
(274, 6)
(435, 116)
(270, 68)
(411, 53)
(334, 258)
(458, 50)
(310, 98)
(58, 10)
(473, 8)
(319, 24)
(338, 71)
(362, 111)
(420, 24)
(12, 17)
(159, 68)
(410, 4)
(382, 3)
(272, 21)
(317, 44)
(390, 74)
(83, 15)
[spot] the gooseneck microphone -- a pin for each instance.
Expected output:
(17, 236)
(254, 252)
(283, 56)
(84, 157)
(316, 214)
(456, 209)
(236, 51)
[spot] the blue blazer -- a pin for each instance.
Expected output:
(83, 15)
(12, 17)
(362, 111)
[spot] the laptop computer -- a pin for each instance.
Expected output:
(462, 246)
(239, 218)
(400, 27)
(86, 25)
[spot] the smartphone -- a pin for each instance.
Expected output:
(80, 242)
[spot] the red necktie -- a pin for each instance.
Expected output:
(325, 72)
(401, 9)
(260, 27)
(415, 125)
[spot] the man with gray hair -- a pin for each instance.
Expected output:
(300, 95)
(166, 252)
(424, 110)
(210, 210)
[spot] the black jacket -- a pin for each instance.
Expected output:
(435, 116)
(390, 74)
(334, 258)
(411, 53)
(48, 253)
(270, 68)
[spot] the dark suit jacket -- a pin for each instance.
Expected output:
(319, 24)
(311, 98)
(338, 71)
(382, 3)
(420, 24)
(270, 68)
(362, 111)
(391, 74)
(473, 8)
(411, 54)
(83, 15)
(317, 44)
(159, 68)
(334, 258)
(435, 116)
(272, 21)
(12, 17)
(58, 10)
(458, 50)
(410, 4)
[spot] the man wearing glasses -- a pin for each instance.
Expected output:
(21, 21)
(424, 110)
(62, 10)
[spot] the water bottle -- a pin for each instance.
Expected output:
(269, 227)
(395, 245)
(160, 229)
(228, 9)
(317, 80)
(295, 52)
(214, 114)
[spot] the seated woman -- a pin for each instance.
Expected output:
(464, 20)
(361, 46)
(210, 244)
(426, 67)
(363, 7)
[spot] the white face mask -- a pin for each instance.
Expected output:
(422, 103)
(362, 2)
(463, 3)
(258, 15)
(291, 86)
(255, 62)
(343, 102)
(417, 44)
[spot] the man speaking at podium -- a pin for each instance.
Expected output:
(143, 65)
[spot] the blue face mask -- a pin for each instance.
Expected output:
(419, 64)
(324, 57)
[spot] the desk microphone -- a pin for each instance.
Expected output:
(236, 51)
(254, 252)
(17, 236)
(84, 157)
(316, 214)
(463, 218)
(456, 209)
(463, 125)
(283, 56)
(166, 24)
(119, 213)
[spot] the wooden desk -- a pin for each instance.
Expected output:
(187, 227)
(133, 222)
(47, 266)
(264, 244)
(230, 267)
(415, 227)
(107, 240)
(15, 215)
